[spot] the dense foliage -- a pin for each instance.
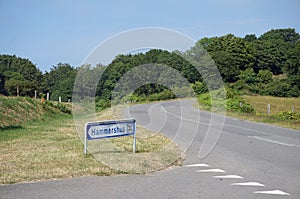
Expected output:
(265, 65)
(59, 82)
(18, 76)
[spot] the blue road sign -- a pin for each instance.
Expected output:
(109, 129)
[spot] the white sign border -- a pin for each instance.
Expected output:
(114, 136)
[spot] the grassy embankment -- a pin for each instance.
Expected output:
(284, 112)
(39, 142)
(278, 105)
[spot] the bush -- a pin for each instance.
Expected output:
(248, 76)
(102, 104)
(63, 108)
(205, 99)
(199, 88)
(287, 115)
(239, 105)
(50, 107)
(265, 76)
(184, 91)
(233, 100)
(164, 95)
(278, 88)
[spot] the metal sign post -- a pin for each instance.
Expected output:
(110, 129)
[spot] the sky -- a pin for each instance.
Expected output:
(49, 32)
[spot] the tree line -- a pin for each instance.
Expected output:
(266, 65)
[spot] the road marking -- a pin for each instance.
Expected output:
(271, 141)
(229, 177)
(185, 119)
(273, 192)
(255, 184)
(197, 165)
(211, 170)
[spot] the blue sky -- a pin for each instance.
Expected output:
(51, 31)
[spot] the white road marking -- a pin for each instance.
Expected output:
(256, 184)
(229, 177)
(254, 137)
(273, 192)
(271, 141)
(185, 119)
(211, 170)
(197, 165)
(229, 125)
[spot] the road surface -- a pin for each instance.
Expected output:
(248, 160)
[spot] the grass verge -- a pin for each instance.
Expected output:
(277, 104)
(260, 114)
(46, 149)
(154, 151)
(49, 148)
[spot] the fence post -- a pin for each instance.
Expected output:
(48, 97)
(293, 108)
(59, 99)
(35, 94)
(18, 91)
(269, 109)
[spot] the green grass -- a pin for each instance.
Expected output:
(48, 147)
(154, 151)
(45, 149)
(15, 111)
(278, 104)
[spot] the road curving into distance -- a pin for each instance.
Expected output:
(249, 160)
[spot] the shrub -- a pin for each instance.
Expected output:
(248, 76)
(164, 95)
(102, 104)
(63, 108)
(233, 100)
(287, 115)
(239, 105)
(199, 88)
(50, 107)
(265, 76)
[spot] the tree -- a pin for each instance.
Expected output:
(248, 76)
(231, 54)
(264, 76)
(18, 73)
(157, 57)
(250, 38)
(293, 66)
(272, 49)
(59, 81)
(285, 35)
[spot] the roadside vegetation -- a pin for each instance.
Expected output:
(266, 65)
(42, 143)
(283, 111)
(38, 139)
(42, 146)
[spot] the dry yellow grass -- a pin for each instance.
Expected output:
(40, 152)
(51, 149)
(277, 104)
(154, 151)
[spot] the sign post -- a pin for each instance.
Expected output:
(109, 129)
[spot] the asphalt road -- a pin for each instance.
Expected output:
(225, 158)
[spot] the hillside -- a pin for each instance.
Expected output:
(15, 111)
